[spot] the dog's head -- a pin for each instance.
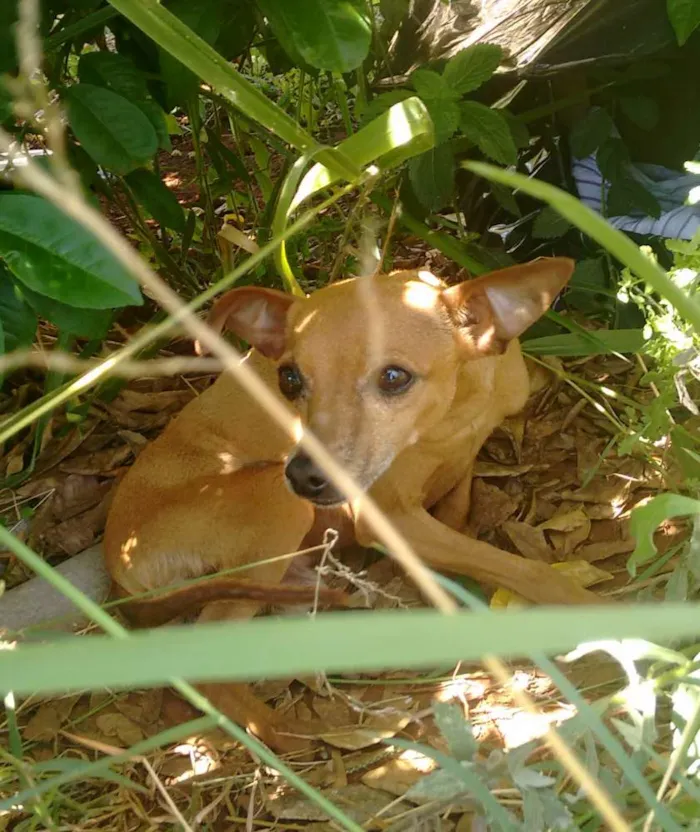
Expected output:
(371, 364)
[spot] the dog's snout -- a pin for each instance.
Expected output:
(305, 477)
(309, 481)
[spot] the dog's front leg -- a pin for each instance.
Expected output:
(447, 550)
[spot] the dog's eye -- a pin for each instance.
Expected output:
(393, 380)
(290, 381)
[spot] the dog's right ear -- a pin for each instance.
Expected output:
(256, 315)
(491, 310)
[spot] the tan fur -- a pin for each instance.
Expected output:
(210, 493)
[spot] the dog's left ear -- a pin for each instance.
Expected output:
(492, 310)
(257, 315)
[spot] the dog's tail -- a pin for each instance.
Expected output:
(189, 600)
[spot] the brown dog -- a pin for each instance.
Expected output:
(404, 404)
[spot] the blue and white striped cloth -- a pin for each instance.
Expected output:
(677, 221)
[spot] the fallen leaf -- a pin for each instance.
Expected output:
(44, 725)
(528, 540)
(607, 549)
(495, 469)
(395, 777)
(490, 508)
(118, 725)
(358, 801)
(567, 522)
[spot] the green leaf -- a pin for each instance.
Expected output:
(115, 132)
(379, 105)
(432, 177)
(684, 16)
(115, 72)
(237, 28)
(445, 115)
(16, 317)
(160, 202)
(646, 519)
(590, 133)
(203, 18)
(455, 728)
(549, 224)
(328, 34)
(628, 196)
(72, 320)
(54, 255)
(600, 342)
(489, 131)
(173, 36)
(429, 84)
(473, 66)
(156, 115)
(403, 131)
(641, 110)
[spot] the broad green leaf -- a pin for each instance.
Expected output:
(471, 67)
(647, 518)
(156, 115)
(489, 131)
(590, 133)
(115, 132)
(641, 110)
(684, 16)
(617, 243)
(160, 202)
(438, 785)
(445, 115)
(455, 728)
(628, 196)
(600, 342)
(328, 34)
(55, 256)
(237, 28)
(115, 72)
(83, 323)
(429, 84)
(549, 224)
(201, 17)
(448, 777)
(17, 319)
(432, 177)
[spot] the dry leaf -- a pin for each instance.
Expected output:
(607, 549)
(395, 777)
(490, 507)
(118, 725)
(358, 801)
(567, 521)
(528, 540)
(44, 725)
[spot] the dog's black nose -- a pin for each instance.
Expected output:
(310, 482)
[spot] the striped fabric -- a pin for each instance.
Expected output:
(671, 188)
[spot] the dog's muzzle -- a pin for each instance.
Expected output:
(306, 479)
